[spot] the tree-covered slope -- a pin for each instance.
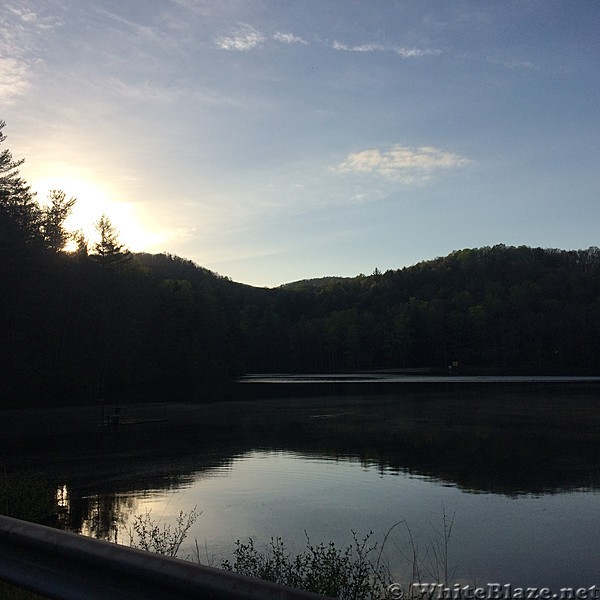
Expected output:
(500, 308)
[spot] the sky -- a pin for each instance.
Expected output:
(272, 141)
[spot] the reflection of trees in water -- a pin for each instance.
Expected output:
(107, 514)
(508, 465)
(511, 465)
(500, 439)
(505, 439)
(103, 509)
(101, 515)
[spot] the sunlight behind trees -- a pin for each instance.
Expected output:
(95, 199)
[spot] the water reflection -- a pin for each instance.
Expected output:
(509, 439)
(102, 515)
(519, 464)
(546, 540)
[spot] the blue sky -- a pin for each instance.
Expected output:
(273, 141)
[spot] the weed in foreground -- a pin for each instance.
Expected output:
(148, 535)
(357, 571)
(345, 573)
(430, 562)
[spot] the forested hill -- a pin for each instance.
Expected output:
(499, 310)
(75, 330)
(101, 322)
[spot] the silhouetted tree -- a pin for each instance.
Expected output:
(53, 220)
(81, 244)
(20, 214)
(108, 251)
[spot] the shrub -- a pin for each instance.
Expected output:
(150, 536)
(352, 572)
(347, 573)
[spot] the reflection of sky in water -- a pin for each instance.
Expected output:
(550, 541)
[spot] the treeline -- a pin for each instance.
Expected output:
(100, 322)
(498, 310)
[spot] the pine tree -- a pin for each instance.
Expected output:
(53, 219)
(108, 251)
(20, 215)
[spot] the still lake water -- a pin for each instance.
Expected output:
(546, 534)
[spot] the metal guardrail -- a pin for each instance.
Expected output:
(64, 566)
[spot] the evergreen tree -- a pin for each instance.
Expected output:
(53, 219)
(20, 216)
(81, 244)
(108, 251)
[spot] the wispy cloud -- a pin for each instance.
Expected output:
(513, 64)
(14, 79)
(143, 31)
(144, 91)
(156, 93)
(371, 47)
(288, 38)
(20, 28)
(402, 163)
(415, 52)
(194, 7)
(244, 38)
(19, 13)
(363, 48)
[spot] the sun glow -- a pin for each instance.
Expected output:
(94, 199)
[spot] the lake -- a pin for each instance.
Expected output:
(512, 463)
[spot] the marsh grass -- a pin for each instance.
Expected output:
(429, 562)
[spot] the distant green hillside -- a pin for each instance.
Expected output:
(493, 309)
